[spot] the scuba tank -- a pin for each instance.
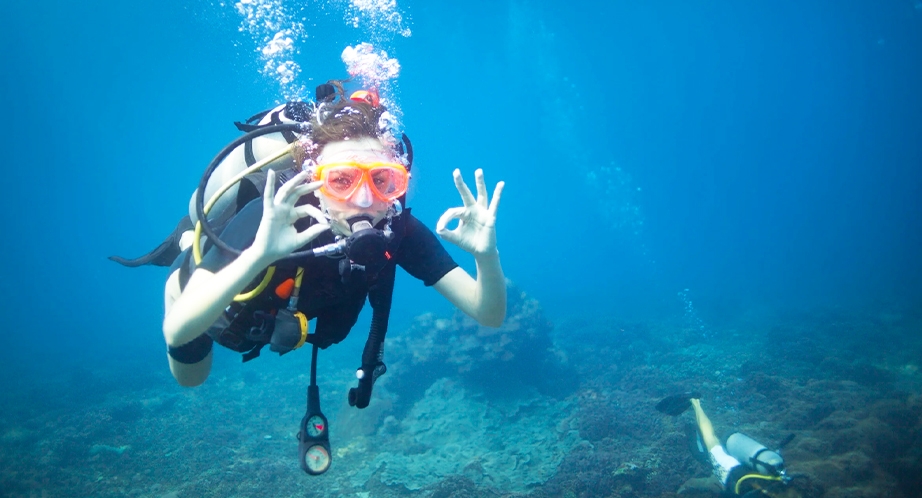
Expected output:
(253, 150)
(754, 454)
(269, 138)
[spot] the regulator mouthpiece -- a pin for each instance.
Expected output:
(360, 222)
(367, 245)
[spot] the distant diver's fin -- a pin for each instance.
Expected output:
(164, 254)
(784, 442)
(676, 404)
(696, 445)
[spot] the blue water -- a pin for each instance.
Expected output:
(760, 154)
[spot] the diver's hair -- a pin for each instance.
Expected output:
(344, 119)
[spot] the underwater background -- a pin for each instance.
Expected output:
(712, 196)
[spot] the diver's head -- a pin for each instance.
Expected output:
(356, 159)
(360, 177)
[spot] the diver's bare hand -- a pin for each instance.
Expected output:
(277, 236)
(476, 230)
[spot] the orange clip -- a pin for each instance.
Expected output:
(284, 289)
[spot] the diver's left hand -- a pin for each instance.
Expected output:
(476, 230)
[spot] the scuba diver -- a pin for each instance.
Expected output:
(743, 466)
(304, 218)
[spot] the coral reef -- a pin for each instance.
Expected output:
(439, 427)
(512, 358)
(512, 446)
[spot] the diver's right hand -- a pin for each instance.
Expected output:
(277, 236)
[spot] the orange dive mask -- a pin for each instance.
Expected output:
(387, 181)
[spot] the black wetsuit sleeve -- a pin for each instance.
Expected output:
(422, 255)
(193, 351)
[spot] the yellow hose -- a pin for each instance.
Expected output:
(298, 276)
(753, 476)
(197, 241)
(259, 288)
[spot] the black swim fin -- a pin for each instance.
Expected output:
(676, 404)
(162, 255)
(696, 445)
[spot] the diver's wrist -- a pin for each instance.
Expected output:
(487, 256)
(257, 258)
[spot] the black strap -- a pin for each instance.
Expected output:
(754, 462)
(253, 353)
(251, 187)
(407, 146)
(246, 127)
(253, 122)
(185, 270)
(276, 120)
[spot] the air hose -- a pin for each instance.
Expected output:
(738, 486)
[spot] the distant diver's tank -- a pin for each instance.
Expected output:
(754, 454)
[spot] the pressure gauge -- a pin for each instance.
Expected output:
(316, 426)
(317, 459)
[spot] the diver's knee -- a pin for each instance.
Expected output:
(186, 381)
(190, 374)
(187, 378)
